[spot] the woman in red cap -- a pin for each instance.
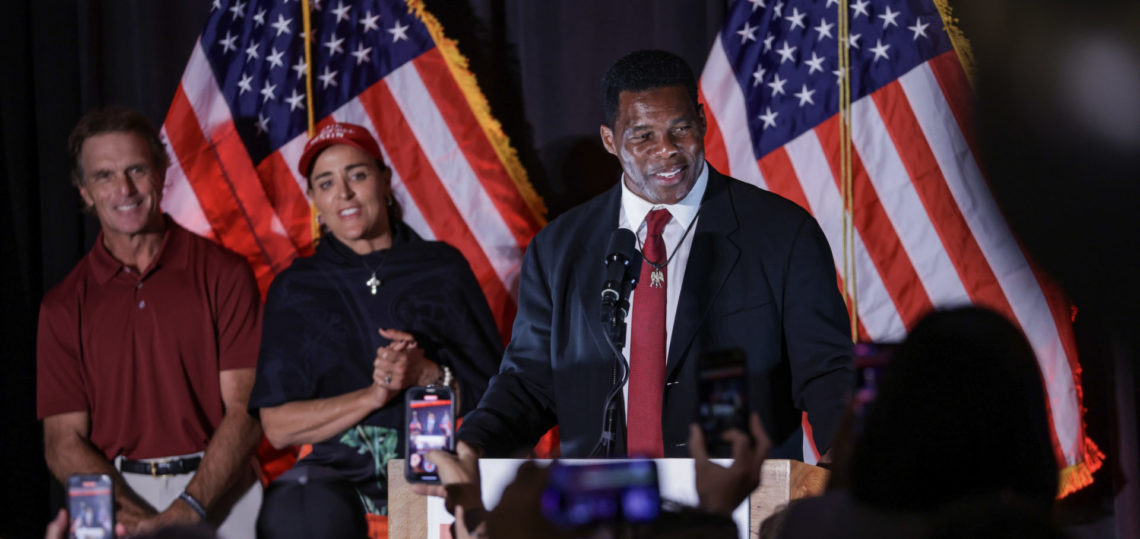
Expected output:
(374, 311)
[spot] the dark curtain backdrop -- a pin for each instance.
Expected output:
(538, 61)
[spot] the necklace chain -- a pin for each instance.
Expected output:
(668, 259)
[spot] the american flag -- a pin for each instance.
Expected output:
(239, 121)
(927, 232)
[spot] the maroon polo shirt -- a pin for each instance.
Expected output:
(141, 352)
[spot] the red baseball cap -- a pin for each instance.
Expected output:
(333, 134)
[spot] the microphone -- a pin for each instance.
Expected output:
(622, 251)
(620, 280)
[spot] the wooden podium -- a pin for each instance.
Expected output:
(780, 481)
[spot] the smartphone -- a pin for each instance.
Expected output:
(871, 359)
(90, 507)
(722, 393)
(430, 421)
(582, 495)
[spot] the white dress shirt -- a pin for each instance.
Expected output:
(634, 209)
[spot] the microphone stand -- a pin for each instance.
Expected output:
(614, 311)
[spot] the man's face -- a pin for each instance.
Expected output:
(658, 136)
(120, 182)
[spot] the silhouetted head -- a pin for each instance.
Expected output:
(961, 411)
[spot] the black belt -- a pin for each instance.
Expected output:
(157, 467)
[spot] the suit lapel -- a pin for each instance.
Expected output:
(711, 259)
(589, 268)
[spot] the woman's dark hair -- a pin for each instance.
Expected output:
(395, 210)
(644, 70)
(961, 412)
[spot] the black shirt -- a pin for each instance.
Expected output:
(319, 340)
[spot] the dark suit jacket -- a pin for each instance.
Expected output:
(760, 277)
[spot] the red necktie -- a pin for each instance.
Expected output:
(647, 345)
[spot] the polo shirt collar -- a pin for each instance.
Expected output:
(172, 253)
(683, 212)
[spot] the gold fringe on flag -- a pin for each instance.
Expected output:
(957, 38)
(458, 65)
(1079, 475)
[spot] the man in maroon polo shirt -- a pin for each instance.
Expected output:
(146, 350)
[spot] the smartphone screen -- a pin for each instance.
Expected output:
(580, 495)
(870, 361)
(89, 506)
(722, 393)
(431, 425)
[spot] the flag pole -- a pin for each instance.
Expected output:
(846, 172)
(307, 25)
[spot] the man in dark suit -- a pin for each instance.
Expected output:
(725, 265)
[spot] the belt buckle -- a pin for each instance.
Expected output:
(154, 464)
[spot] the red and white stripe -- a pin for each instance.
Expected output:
(445, 173)
(207, 154)
(928, 233)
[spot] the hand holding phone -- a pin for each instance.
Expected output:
(90, 507)
(430, 422)
(722, 393)
(720, 489)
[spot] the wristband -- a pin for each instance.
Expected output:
(193, 503)
(445, 377)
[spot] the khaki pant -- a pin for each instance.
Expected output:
(235, 515)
